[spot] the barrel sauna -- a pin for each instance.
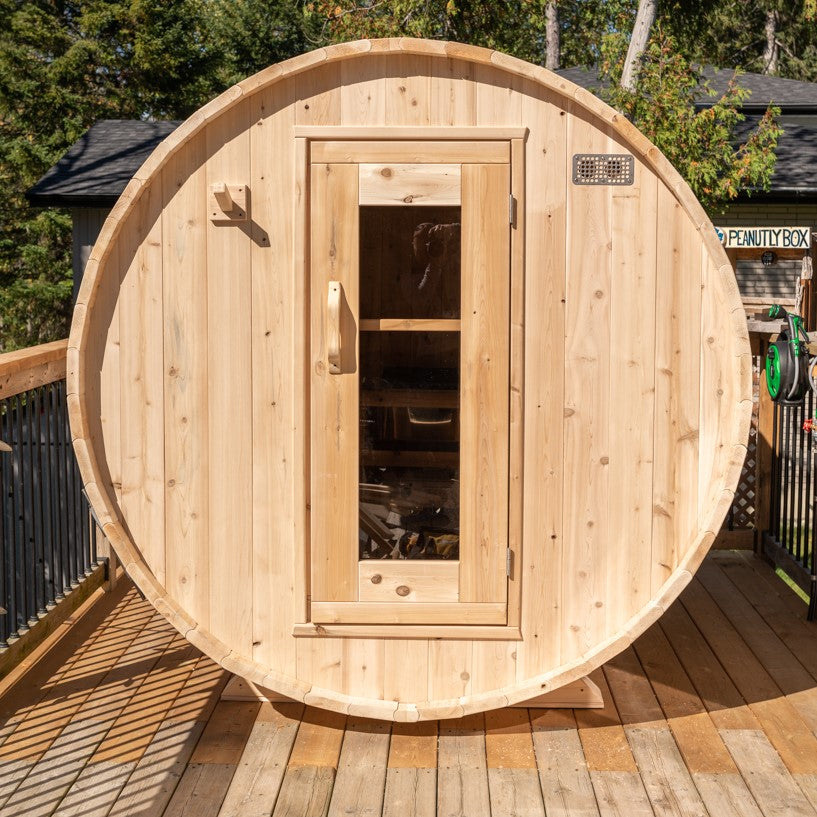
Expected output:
(408, 379)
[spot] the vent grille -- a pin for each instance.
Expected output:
(603, 168)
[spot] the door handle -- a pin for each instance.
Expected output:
(333, 333)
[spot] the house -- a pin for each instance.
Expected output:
(91, 176)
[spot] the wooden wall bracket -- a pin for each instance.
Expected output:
(227, 203)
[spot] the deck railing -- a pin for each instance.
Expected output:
(790, 539)
(48, 539)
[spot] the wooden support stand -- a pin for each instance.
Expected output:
(581, 694)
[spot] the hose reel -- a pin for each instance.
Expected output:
(788, 366)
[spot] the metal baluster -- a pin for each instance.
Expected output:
(59, 428)
(47, 488)
(21, 623)
(36, 469)
(800, 455)
(6, 543)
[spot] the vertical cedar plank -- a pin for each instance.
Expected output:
(516, 407)
(407, 88)
(494, 665)
(319, 103)
(334, 410)
(278, 590)
(229, 375)
(587, 401)
(142, 380)
(362, 92)
(406, 671)
(184, 233)
(720, 397)
(319, 100)
(363, 666)
(449, 669)
(632, 396)
(484, 381)
(545, 230)
(453, 93)
(110, 418)
(496, 97)
(677, 387)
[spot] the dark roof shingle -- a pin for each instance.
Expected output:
(96, 168)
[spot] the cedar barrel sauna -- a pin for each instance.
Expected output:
(409, 380)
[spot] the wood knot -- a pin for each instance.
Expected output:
(402, 590)
(377, 578)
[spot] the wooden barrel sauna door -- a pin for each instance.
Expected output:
(410, 336)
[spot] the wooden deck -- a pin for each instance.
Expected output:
(712, 712)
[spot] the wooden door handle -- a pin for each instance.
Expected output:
(333, 334)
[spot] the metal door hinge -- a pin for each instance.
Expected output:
(512, 210)
(508, 562)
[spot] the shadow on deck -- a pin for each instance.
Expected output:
(713, 711)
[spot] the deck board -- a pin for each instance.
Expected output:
(711, 713)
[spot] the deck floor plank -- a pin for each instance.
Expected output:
(462, 775)
(96, 790)
(771, 784)
(711, 713)
(361, 778)
(726, 794)
(257, 781)
(158, 772)
(201, 790)
(305, 792)
(567, 790)
(621, 794)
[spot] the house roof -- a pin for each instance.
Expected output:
(795, 174)
(96, 168)
(790, 95)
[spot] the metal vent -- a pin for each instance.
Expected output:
(603, 168)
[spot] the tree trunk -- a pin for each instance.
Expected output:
(771, 53)
(553, 48)
(638, 42)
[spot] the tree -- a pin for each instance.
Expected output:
(640, 36)
(552, 36)
(763, 36)
(64, 64)
(702, 144)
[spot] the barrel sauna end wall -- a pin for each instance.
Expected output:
(408, 380)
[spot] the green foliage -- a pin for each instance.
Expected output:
(64, 64)
(700, 143)
(252, 34)
(512, 26)
(730, 34)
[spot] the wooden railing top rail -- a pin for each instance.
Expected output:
(32, 367)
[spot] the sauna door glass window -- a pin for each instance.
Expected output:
(409, 302)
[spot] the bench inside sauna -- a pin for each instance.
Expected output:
(408, 379)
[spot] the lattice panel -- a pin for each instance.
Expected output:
(742, 514)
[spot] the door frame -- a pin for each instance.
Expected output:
(348, 144)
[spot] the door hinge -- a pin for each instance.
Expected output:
(508, 562)
(511, 210)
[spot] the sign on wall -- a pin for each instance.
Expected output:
(771, 238)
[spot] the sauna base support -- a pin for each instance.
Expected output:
(581, 694)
